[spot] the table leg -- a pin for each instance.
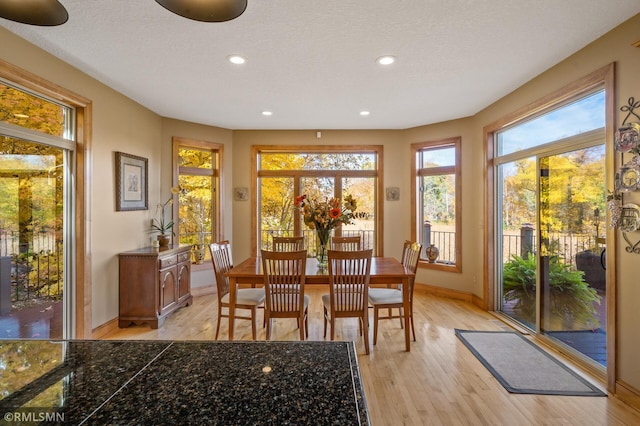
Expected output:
(407, 313)
(232, 305)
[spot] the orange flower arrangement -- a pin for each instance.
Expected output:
(323, 216)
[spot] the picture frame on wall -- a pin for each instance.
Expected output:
(393, 193)
(131, 182)
(241, 194)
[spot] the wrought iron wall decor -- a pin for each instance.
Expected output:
(626, 216)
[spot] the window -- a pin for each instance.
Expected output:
(198, 212)
(436, 185)
(282, 173)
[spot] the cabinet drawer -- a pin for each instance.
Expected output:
(165, 262)
(183, 257)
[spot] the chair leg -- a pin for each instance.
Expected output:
(401, 317)
(306, 322)
(268, 328)
(375, 325)
(413, 327)
(325, 322)
(253, 323)
(365, 326)
(333, 328)
(301, 328)
(219, 320)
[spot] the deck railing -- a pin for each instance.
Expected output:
(36, 268)
(36, 271)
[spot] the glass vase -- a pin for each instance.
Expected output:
(322, 246)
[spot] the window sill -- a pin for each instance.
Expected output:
(440, 266)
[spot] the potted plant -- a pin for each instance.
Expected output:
(158, 224)
(571, 300)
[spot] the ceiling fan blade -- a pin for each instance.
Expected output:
(206, 10)
(46, 13)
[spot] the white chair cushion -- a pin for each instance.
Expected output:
(306, 301)
(247, 296)
(326, 301)
(384, 296)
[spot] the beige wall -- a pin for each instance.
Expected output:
(395, 163)
(122, 125)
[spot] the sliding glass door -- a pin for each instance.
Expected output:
(36, 215)
(550, 192)
(572, 276)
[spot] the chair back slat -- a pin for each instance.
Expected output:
(349, 273)
(410, 257)
(221, 260)
(288, 243)
(284, 278)
(346, 243)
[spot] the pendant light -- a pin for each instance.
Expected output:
(206, 10)
(45, 13)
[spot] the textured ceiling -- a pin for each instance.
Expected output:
(312, 62)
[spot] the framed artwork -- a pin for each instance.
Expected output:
(241, 194)
(131, 182)
(393, 193)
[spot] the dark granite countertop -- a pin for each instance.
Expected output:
(181, 382)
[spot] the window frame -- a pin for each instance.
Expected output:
(216, 182)
(256, 174)
(416, 174)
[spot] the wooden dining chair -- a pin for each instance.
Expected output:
(391, 298)
(284, 278)
(288, 243)
(246, 298)
(349, 273)
(346, 243)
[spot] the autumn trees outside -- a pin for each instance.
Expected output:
(320, 176)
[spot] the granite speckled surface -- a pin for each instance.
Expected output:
(184, 382)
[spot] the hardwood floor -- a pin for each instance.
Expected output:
(438, 383)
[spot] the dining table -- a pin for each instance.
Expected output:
(384, 270)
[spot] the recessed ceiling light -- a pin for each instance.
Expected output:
(364, 113)
(236, 59)
(267, 113)
(386, 60)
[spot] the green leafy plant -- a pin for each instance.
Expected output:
(570, 297)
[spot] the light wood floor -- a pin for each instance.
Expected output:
(438, 383)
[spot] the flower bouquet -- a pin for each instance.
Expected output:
(323, 216)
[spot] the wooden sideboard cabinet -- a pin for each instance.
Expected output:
(153, 283)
